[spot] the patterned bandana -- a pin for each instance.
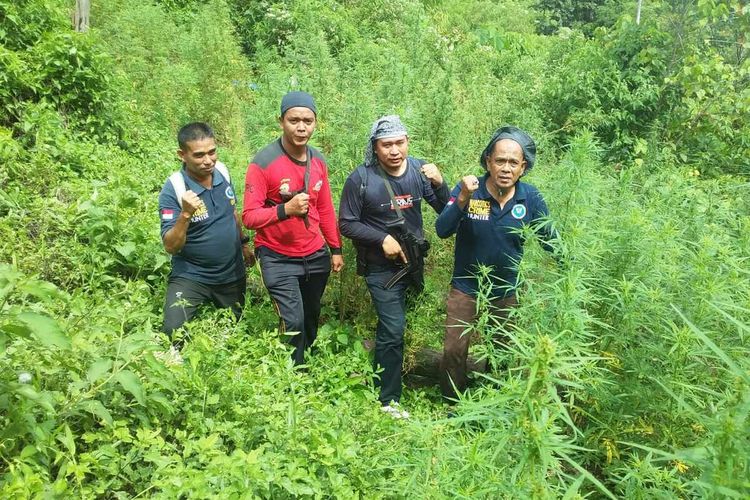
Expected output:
(383, 128)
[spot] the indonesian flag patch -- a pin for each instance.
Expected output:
(453, 199)
(167, 214)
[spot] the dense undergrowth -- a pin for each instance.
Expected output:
(627, 371)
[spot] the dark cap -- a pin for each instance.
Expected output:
(297, 99)
(515, 134)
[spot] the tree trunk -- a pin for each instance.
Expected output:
(427, 364)
(81, 16)
(426, 368)
(638, 13)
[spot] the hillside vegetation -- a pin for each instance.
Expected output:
(628, 369)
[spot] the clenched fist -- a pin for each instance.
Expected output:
(298, 205)
(469, 184)
(432, 173)
(190, 202)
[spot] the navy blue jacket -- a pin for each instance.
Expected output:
(489, 235)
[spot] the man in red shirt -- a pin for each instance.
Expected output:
(288, 203)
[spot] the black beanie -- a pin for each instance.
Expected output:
(297, 99)
(516, 134)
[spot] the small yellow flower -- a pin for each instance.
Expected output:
(611, 448)
(681, 466)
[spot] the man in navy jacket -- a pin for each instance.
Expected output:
(486, 215)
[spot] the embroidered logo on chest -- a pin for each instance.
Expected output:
(518, 211)
(318, 185)
(200, 214)
(284, 186)
(479, 210)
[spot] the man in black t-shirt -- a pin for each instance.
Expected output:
(368, 214)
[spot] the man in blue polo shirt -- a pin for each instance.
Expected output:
(486, 216)
(202, 231)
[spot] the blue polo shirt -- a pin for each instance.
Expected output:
(212, 253)
(489, 235)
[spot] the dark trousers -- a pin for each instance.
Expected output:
(461, 312)
(184, 296)
(390, 306)
(296, 285)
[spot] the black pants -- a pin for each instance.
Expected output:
(390, 305)
(184, 296)
(296, 285)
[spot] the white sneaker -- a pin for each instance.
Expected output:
(172, 357)
(394, 409)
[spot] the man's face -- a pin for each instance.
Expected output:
(506, 164)
(199, 157)
(392, 152)
(297, 125)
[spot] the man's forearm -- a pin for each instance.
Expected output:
(238, 220)
(175, 238)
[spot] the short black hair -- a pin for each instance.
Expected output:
(193, 132)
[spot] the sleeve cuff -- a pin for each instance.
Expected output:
(280, 212)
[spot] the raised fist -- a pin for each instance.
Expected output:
(432, 173)
(298, 205)
(190, 202)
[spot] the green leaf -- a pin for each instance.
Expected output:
(45, 329)
(736, 370)
(30, 393)
(573, 490)
(97, 369)
(131, 383)
(587, 475)
(17, 330)
(67, 440)
(40, 289)
(96, 407)
(125, 249)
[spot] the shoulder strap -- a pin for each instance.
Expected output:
(178, 184)
(223, 170)
(306, 179)
(362, 181)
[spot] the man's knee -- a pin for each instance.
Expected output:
(454, 354)
(391, 314)
(175, 316)
(180, 304)
(292, 320)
